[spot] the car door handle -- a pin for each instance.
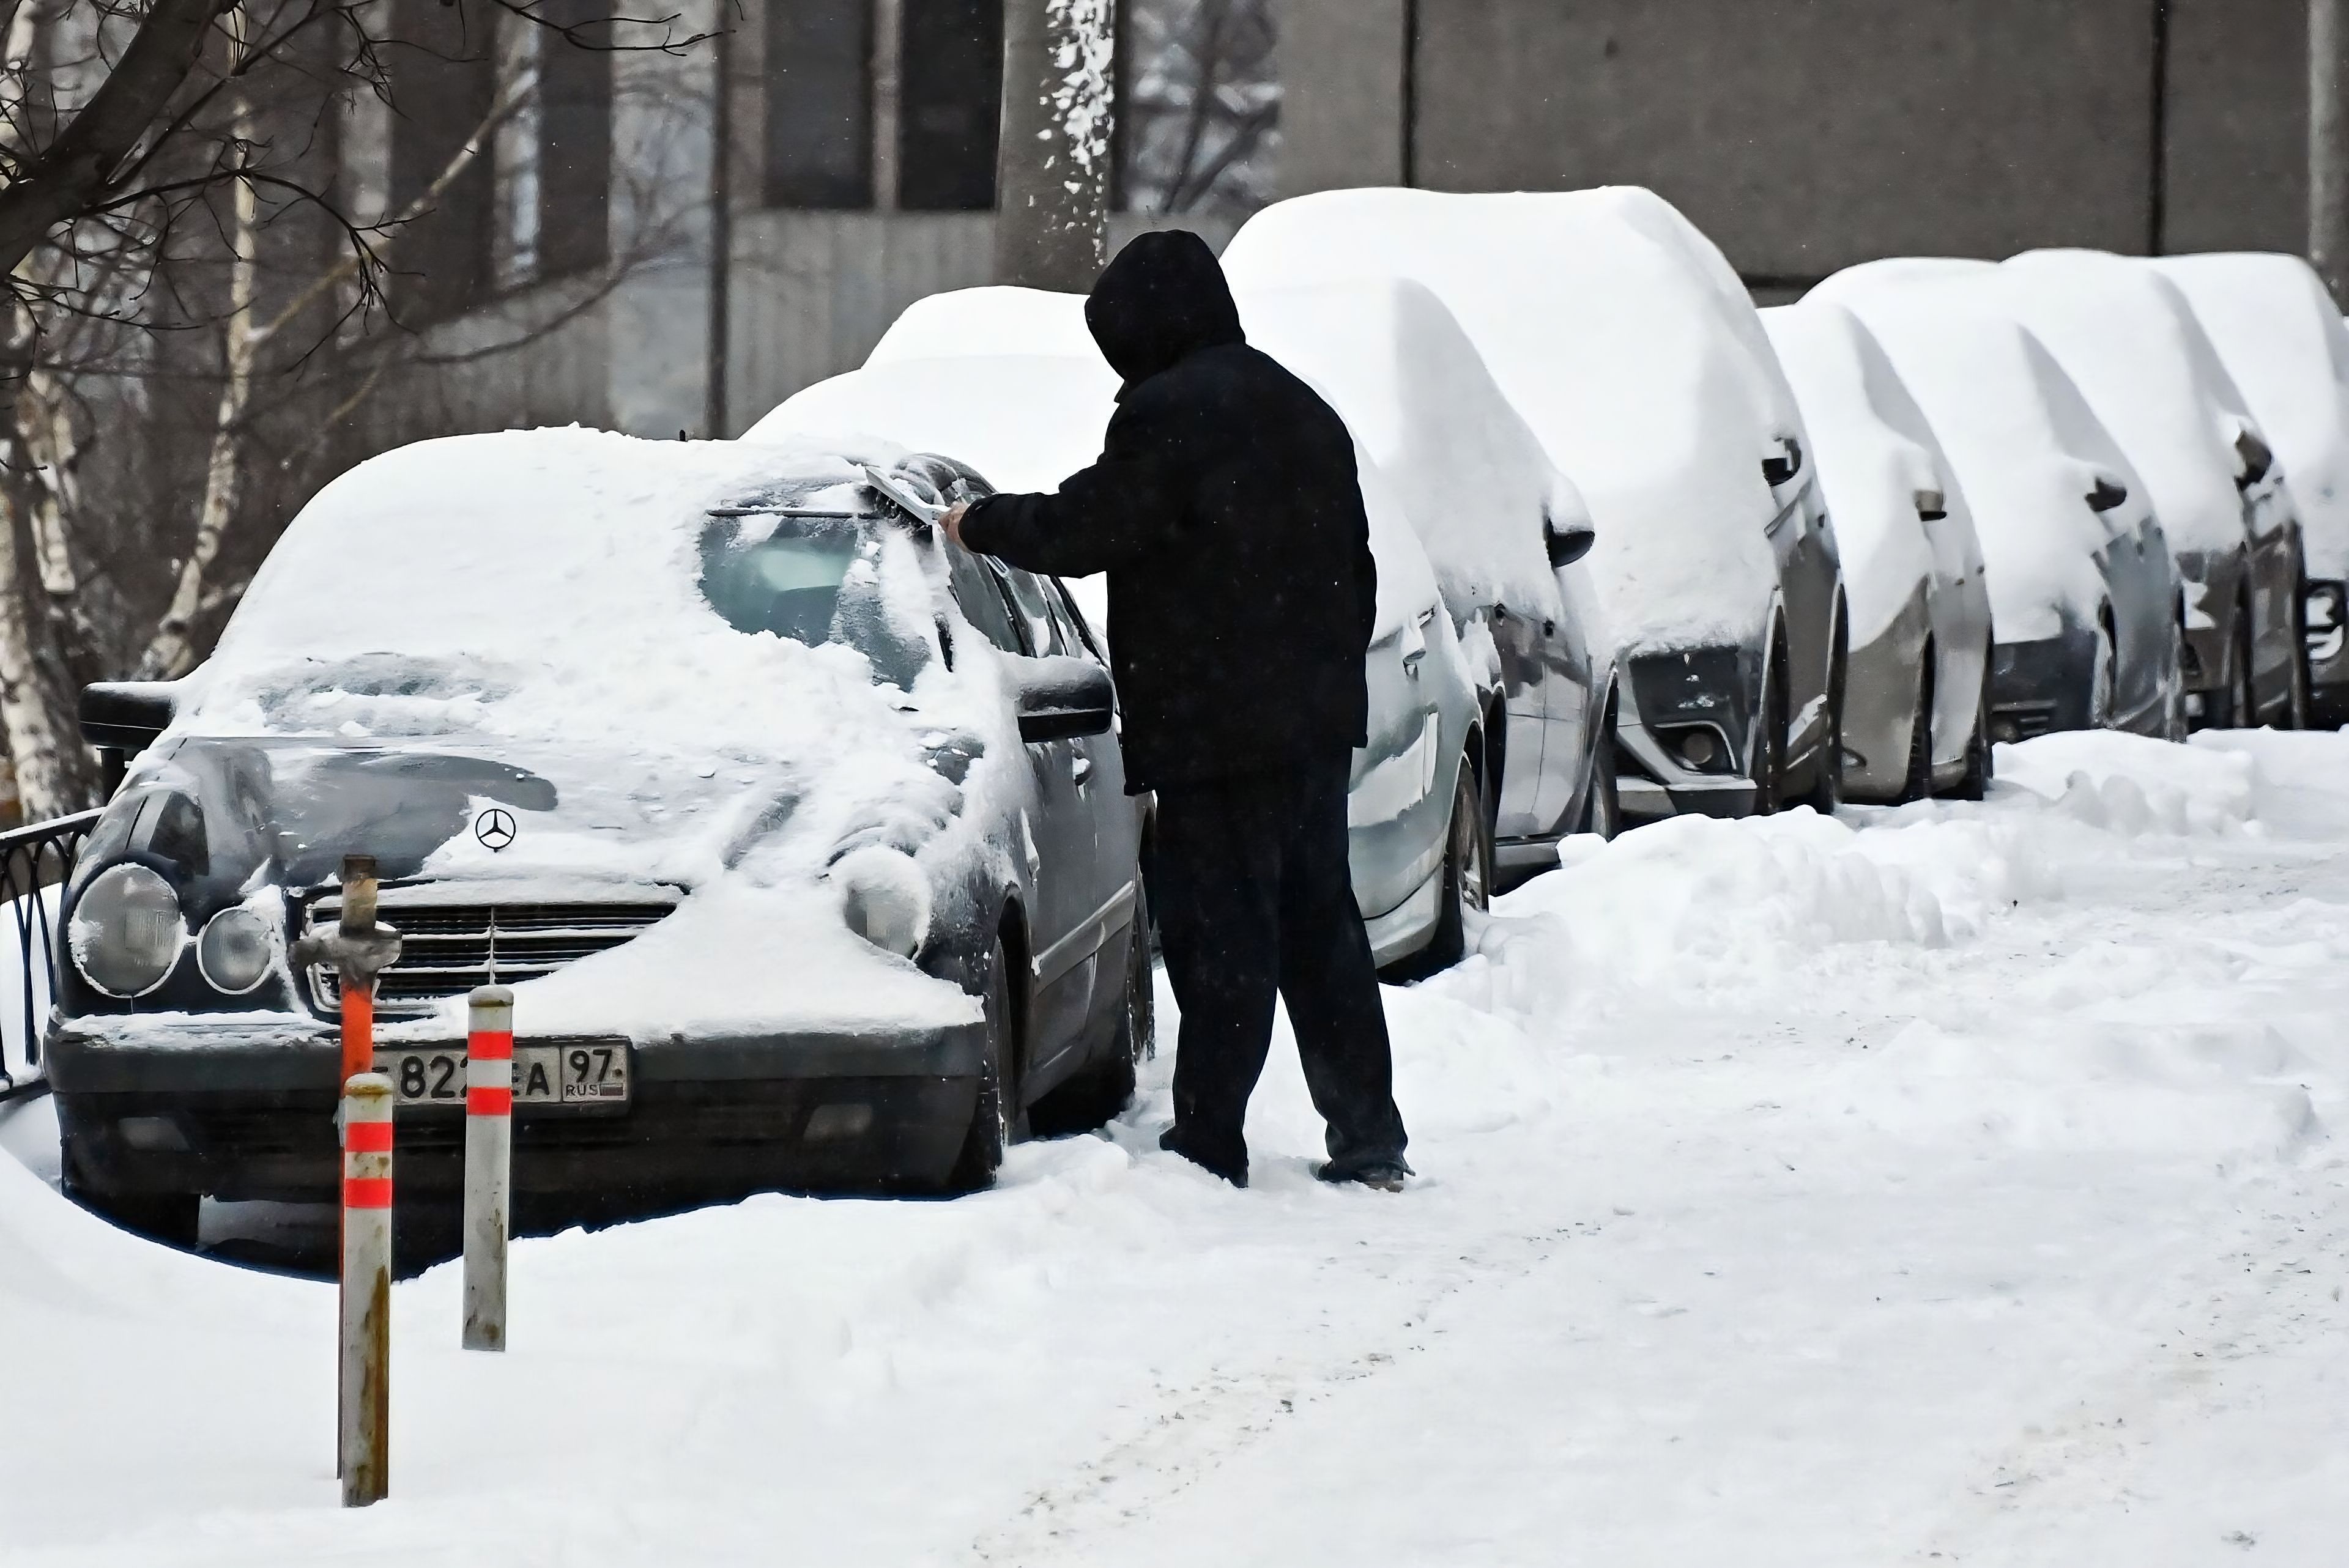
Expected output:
(1081, 769)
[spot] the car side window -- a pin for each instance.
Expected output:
(1048, 630)
(981, 600)
(1080, 629)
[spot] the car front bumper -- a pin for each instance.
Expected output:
(239, 1113)
(2038, 687)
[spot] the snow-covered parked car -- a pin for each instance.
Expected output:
(2131, 342)
(2084, 600)
(1505, 531)
(2282, 338)
(1916, 717)
(1419, 843)
(801, 838)
(1621, 337)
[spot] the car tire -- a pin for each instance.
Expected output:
(2102, 675)
(1918, 785)
(994, 1116)
(1980, 758)
(1825, 792)
(2243, 691)
(1770, 767)
(1468, 877)
(175, 1219)
(1602, 801)
(1104, 1086)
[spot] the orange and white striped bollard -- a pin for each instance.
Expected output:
(489, 1164)
(365, 1383)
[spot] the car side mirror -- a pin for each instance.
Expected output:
(2257, 457)
(1569, 544)
(126, 716)
(1061, 699)
(1932, 506)
(1779, 469)
(2109, 493)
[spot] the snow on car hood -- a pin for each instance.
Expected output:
(1026, 422)
(2283, 340)
(995, 322)
(518, 618)
(1877, 451)
(1605, 320)
(2023, 443)
(1474, 478)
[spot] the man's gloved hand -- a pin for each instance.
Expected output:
(952, 522)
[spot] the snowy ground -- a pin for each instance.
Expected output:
(1948, 1183)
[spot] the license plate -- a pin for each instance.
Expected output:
(573, 1073)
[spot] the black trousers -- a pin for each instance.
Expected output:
(1254, 898)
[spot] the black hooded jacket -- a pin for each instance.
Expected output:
(1225, 508)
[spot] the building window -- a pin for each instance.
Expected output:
(1199, 109)
(951, 101)
(574, 180)
(819, 103)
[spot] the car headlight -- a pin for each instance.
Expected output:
(235, 953)
(885, 898)
(126, 930)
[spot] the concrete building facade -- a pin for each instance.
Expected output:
(1804, 135)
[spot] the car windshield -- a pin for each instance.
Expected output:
(808, 569)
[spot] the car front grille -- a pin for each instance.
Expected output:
(447, 949)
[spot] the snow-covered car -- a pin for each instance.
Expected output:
(2282, 338)
(1506, 533)
(2085, 605)
(1623, 340)
(801, 838)
(1916, 717)
(1418, 841)
(2131, 342)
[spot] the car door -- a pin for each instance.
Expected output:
(1569, 678)
(1519, 814)
(1081, 869)
(1806, 580)
(1959, 610)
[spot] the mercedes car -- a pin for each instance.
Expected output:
(801, 840)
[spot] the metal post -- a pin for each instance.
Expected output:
(364, 1386)
(2328, 145)
(489, 1164)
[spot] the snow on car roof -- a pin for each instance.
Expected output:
(1601, 319)
(1877, 451)
(1026, 422)
(2021, 438)
(2284, 342)
(990, 323)
(2129, 341)
(1475, 480)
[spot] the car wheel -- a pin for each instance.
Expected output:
(993, 1118)
(2100, 678)
(2242, 692)
(1769, 746)
(1825, 792)
(1104, 1086)
(173, 1219)
(2295, 715)
(1602, 803)
(1920, 782)
(1468, 877)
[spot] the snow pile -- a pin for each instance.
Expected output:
(2131, 785)
(1026, 424)
(1618, 345)
(2128, 339)
(2022, 442)
(1475, 482)
(534, 598)
(1877, 454)
(2275, 326)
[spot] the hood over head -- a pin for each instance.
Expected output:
(1160, 300)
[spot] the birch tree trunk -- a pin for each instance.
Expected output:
(2328, 145)
(172, 650)
(1053, 166)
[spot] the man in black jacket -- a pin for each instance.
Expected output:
(1225, 508)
